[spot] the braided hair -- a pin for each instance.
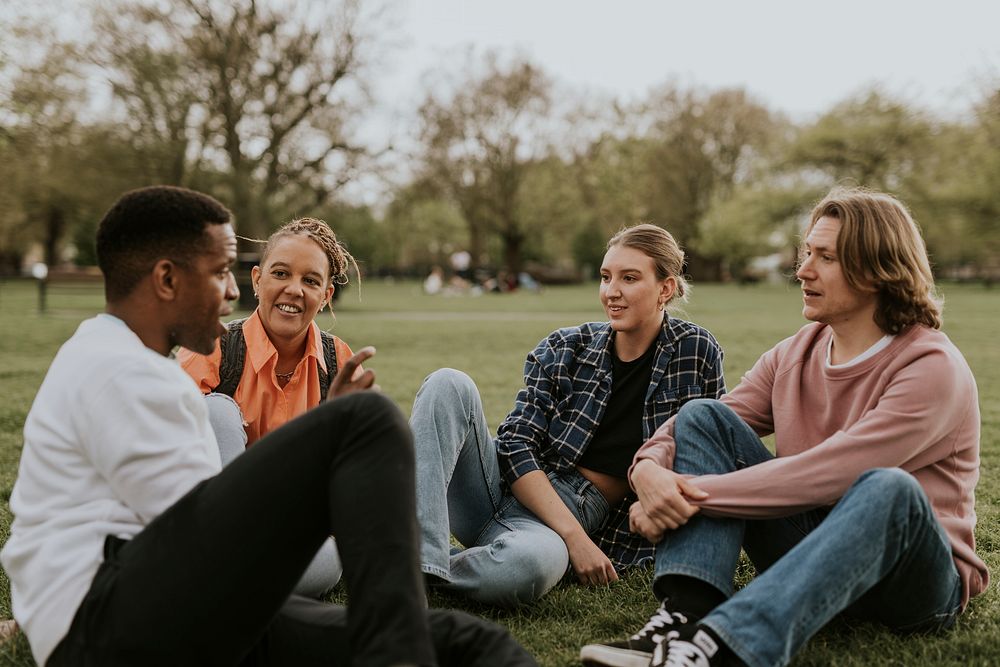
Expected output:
(340, 260)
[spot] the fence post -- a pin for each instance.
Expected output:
(40, 272)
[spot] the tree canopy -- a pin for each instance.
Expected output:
(260, 103)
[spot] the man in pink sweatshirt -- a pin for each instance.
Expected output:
(867, 509)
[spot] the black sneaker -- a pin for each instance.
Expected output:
(637, 650)
(691, 646)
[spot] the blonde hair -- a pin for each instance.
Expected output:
(659, 245)
(879, 243)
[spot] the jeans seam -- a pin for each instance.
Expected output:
(436, 571)
(496, 495)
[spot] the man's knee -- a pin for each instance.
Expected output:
(365, 405)
(890, 493)
(368, 413)
(703, 419)
(889, 485)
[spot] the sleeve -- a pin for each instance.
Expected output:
(911, 417)
(344, 352)
(160, 445)
(203, 369)
(713, 378)
(751, 400)
(520, 435)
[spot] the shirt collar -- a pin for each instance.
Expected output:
(260, 349)
(596, 353)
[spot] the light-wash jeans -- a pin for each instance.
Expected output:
(510, 555)
(226, 418)
(879, 554)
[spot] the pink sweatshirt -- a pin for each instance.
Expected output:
(913, 405)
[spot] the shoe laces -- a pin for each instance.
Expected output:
(697, 651)
(682, 653)
(658, 622)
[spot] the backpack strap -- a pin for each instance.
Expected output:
(233, 350)
(330, 357)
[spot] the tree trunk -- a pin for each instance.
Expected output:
(512, 245)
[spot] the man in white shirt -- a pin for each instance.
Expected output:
(129, 547)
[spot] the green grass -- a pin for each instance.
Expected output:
(488, 337)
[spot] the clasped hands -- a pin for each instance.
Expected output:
(664, 500)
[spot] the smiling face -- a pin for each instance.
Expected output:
(205, 288)
(826, 295)
(632, 295)
(293, 284)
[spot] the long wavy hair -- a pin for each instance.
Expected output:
(880, 244)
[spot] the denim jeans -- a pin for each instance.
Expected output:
(879, 554)
(510, 555)
(226, 418)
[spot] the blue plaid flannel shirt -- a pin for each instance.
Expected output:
(567, 383)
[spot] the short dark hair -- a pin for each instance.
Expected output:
(149, 224)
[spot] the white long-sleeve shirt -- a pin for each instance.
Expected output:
(117, 433)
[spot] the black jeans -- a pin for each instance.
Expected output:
(208, 582)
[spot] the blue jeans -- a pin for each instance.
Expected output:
(879, 554)
(510, 555)
(226, 418)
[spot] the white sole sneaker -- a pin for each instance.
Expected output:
(600, 655)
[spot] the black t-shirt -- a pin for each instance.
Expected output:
(619, 435)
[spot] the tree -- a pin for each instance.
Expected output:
(698, 148)
(959, 208)
(983, 205)
(948, 173)
(161, 89)
(423, 228)
(48, 142)
(871, 139)
(477, 142)
(552, 211)
(755, 221)
(608, 169)
(264, 94)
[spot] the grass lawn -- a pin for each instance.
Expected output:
(488, 337)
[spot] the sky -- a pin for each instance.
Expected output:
(799, 57)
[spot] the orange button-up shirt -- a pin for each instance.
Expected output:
(264, 403)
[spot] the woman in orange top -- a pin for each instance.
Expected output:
(278, 358)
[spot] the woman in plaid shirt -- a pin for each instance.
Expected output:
(550, 491)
